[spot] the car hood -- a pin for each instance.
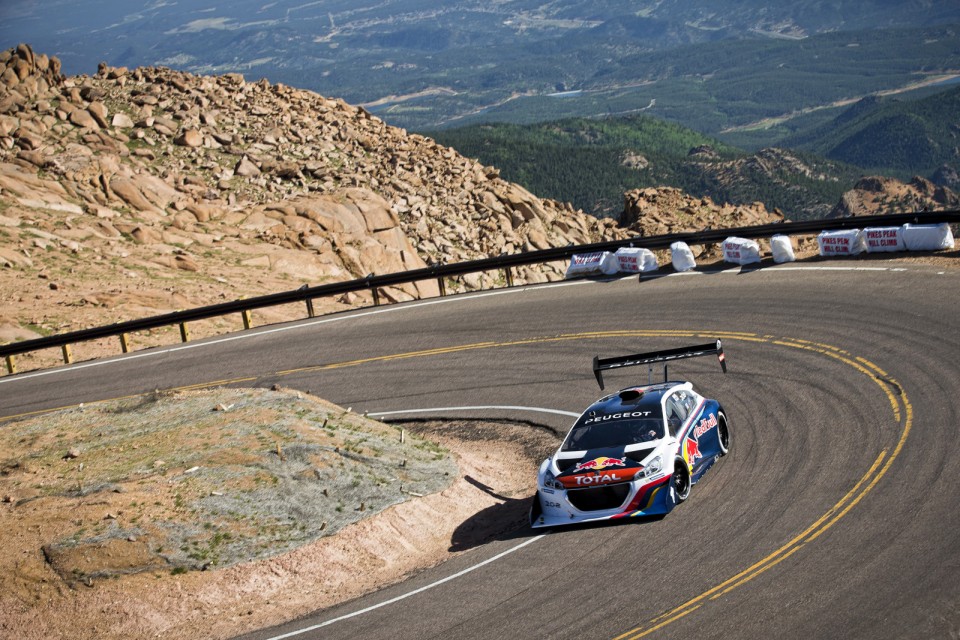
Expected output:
(599, 467)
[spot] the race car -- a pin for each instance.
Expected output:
(636, 452)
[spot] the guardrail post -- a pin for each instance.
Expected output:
(310, 311)
(376, 294)
(11, 365)
(509, 275)
(443, 286)
(124, 343)
(184, 332)
(67, 354)
(247, 320)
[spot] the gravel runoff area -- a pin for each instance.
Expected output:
(207, 513)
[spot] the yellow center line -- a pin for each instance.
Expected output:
(828, 519)
(666, 622)
(772, 559)
(567, 337)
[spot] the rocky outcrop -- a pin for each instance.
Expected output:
(666, 210)
(877, 195)
(663, 210)
(171, 154)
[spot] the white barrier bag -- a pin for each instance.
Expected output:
(884, 239)
(782, 249)
(585, 264)
(927, 237)
(841, 243)
(740, 251)
(682, 257)
(635, 260)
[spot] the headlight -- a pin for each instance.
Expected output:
(550, 480)
(653, 468)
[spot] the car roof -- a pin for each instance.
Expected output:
(638, 398)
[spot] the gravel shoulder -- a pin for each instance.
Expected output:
(219, 511)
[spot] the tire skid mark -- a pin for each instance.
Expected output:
(903, 416)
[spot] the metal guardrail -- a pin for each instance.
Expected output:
(504, 263)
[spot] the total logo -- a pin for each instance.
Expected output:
(600, 463)
(600, 478)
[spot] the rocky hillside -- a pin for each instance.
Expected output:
(147, 190)
(134, 192)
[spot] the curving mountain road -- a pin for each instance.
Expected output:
(835, 515)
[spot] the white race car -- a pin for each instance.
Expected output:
(636, 452)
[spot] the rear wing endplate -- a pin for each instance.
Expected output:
(653, 357)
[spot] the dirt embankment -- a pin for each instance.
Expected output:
(216, 512)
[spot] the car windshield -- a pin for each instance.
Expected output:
(615, 433)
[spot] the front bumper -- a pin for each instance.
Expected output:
(572, 506)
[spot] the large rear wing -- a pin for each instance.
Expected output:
(653, 357)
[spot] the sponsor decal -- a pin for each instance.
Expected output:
(598, 464)
(601, 478)
(693, 450)
(705, 425)
(596, 478)
(618, 416)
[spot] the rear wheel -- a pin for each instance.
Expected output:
(723, 434)
(680, 482)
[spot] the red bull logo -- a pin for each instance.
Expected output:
(597, 464)
(705, 425)
(693, 450)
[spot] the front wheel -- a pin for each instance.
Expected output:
(680, 482)
(536, 509)
(723, 434)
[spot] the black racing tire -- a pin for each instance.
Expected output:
(535, 508)
(723, 434)
(680, 481)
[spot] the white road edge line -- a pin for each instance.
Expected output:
(411, 593)
(455, 575)
(381, 414)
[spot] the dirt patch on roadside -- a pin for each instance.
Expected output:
(211, 513)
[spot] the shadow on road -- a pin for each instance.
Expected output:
(508, 520)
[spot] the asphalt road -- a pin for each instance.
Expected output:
(835, 514)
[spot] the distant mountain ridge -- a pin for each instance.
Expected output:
(906, 137)
(422, 64)
(315, 30)
(591, 163)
